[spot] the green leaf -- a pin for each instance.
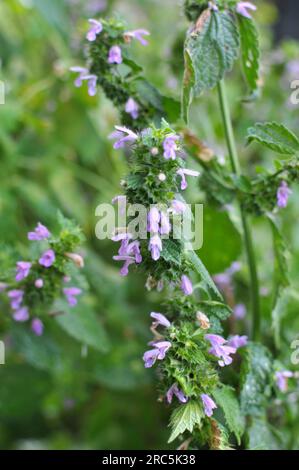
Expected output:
(171, 251)
(227, 400)
(260, 436)
(281, 254)
(213, 46)
(84, 326)
(217, 309)
(188, 84)
(219, 251)
(250, 52)
(256, 375)
(208, 282)
(185, 418)
(275, 137)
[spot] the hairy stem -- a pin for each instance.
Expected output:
(233, 155)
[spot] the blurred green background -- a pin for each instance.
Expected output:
(55, 392)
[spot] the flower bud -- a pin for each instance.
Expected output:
(203, 320)
(77, 259)
(154, 151)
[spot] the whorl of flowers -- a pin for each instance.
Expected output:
(41, 279)
(111, 67)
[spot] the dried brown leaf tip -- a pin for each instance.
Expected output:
(199, 25)
(198, 148)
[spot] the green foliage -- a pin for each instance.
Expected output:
(83, 325)
(206, 279)
(226, 399)
(250, 52)
(256, 379)
(215, 224)
(212, 47)
(185, 418)
(275, 137)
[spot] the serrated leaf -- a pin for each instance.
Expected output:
(227, 400)
(260, 436)
(171, 251)
(213, 46)
(185, 418)
(256, 374)
(217, 309)
(275, 137)
(188, 84)
(250, 51)
(84, 326)
(208, 282)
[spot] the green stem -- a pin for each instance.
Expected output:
(233, 155)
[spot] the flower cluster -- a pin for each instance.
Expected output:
(39, 282)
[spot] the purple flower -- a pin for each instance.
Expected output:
(47, 259)
(137, 34)
(153, 220)
(155, 247)
(82, 71)
(209, 404)
(123, 135)
(178, 207)
(282, 379)
(115, 55)
(92, 84)
(40, 233)
(220, 349)
(128, 260)
(170, 147)
(242, 8)
(158, 353)
(186, 285)
(39, 283)
(21, 315)
(132, 108)
(185, 172)
(23, 270)
(37, 326)
(239, 311)
(165, 224)
(237, 341)
(71, 293)
(96, 28)
(174, 390)
(160, 320)
(16, 297)
(213, 6)
(283, 194)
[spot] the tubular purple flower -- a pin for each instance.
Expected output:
(158, 353)
(82, 71)
(185, 172)
(220, 349)
(71, 293)
(283, 194)
(186, 285)
(23, 270)
(91, 83)
(153, 220)
(209, 404)
(16, 297)
(174, 390)
(242, 8)
(178, 207)
(21, 315)
(47, 259)
(160, 320)
(40, 233)
(132, 108)
(137, 34)
(155, 247)
(39, 283)
(237, 341)
(282, 379)
(165, 228)
(170, 147)
(123, 136)
(115, 55)
(96, 28)
(37, 326)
